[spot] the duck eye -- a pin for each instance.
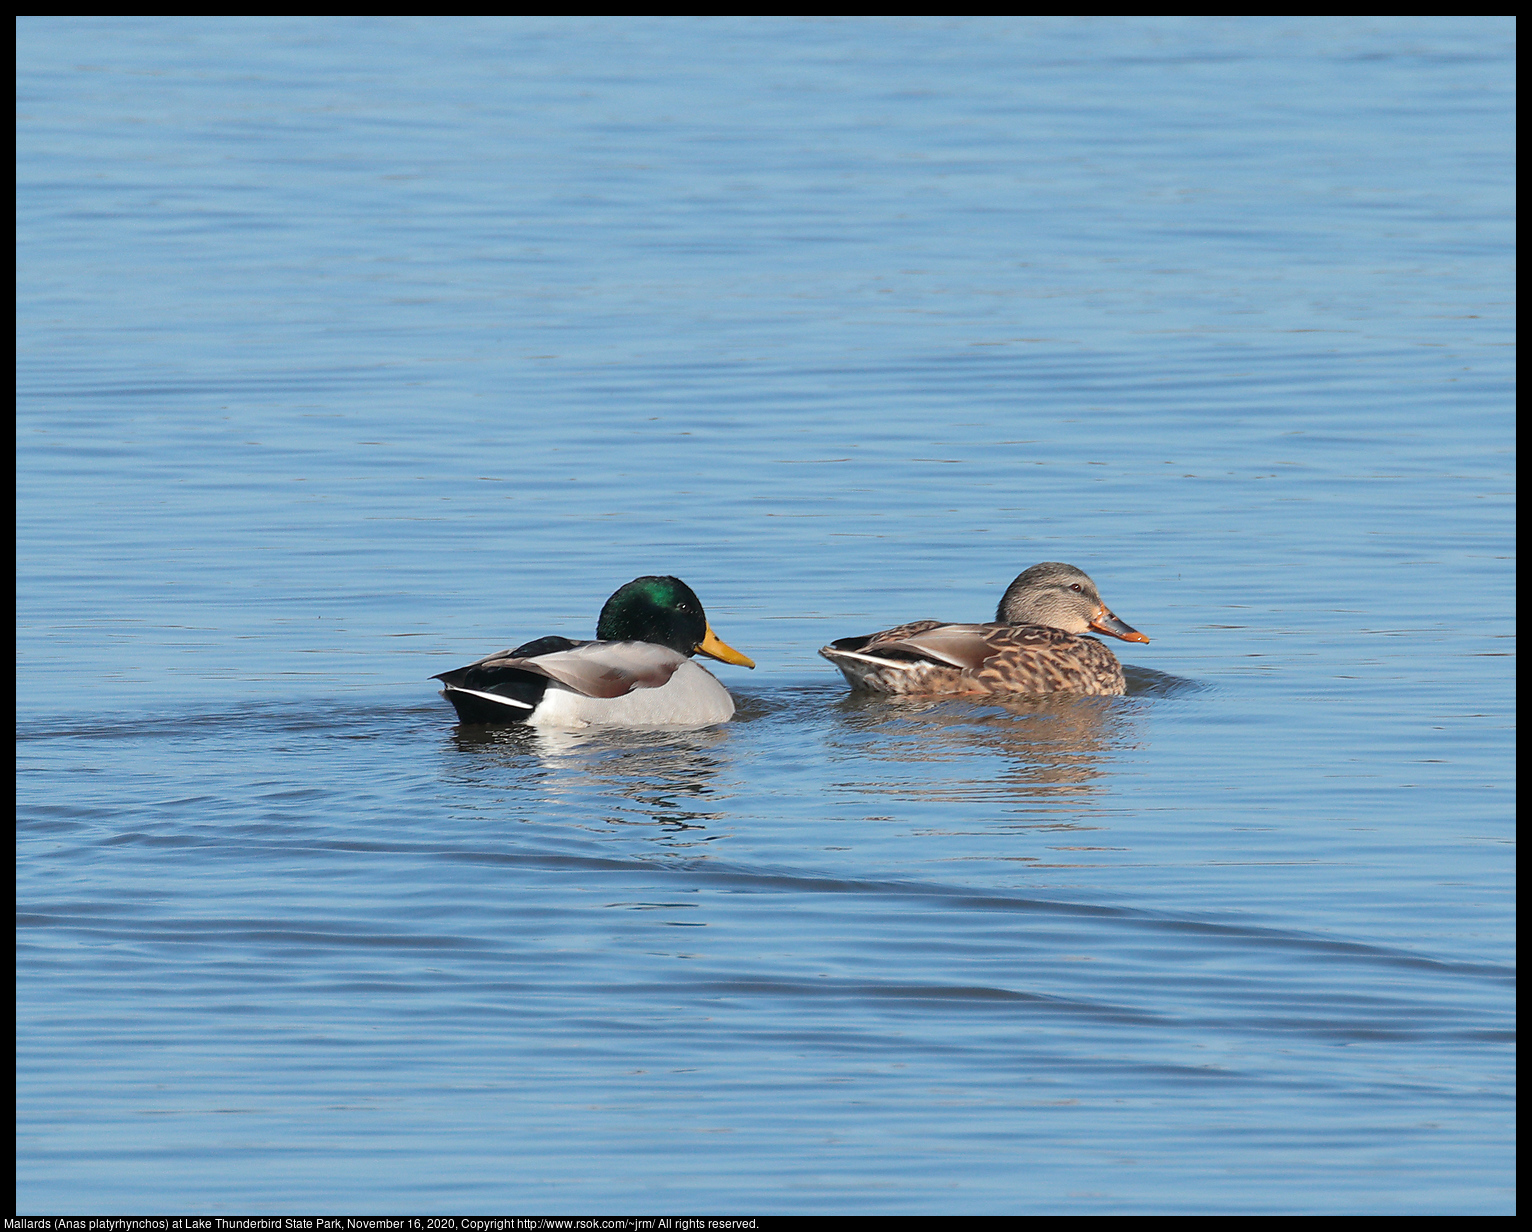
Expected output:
(1075, 587)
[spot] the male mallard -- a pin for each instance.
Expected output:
(1034, 647)
(637, 673)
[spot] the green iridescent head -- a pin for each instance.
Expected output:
(666, 612)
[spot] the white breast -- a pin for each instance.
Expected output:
(691, 698)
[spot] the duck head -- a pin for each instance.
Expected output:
(667, 612)
(1061, 597)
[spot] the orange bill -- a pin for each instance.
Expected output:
(1103, 621)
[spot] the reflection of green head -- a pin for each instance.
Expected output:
(662, 610)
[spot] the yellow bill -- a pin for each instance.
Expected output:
(715, 648)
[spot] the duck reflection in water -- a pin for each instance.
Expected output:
(602, 780)
(1051, 745)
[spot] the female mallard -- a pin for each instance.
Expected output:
(1035, 646)
(637, 673)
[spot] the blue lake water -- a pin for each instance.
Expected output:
(352, 350)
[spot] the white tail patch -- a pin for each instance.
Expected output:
(491, 697)
(903, 665)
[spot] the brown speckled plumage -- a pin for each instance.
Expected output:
(1036, 645)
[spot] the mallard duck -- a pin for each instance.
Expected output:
(637, 673)
(1034, 647)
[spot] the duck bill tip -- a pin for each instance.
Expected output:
(716, 648)
(1104, 622)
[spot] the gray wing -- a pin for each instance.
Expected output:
(602, 669)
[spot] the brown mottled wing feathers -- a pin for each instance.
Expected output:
(928, 656)
(962, 646)
(899, 632)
